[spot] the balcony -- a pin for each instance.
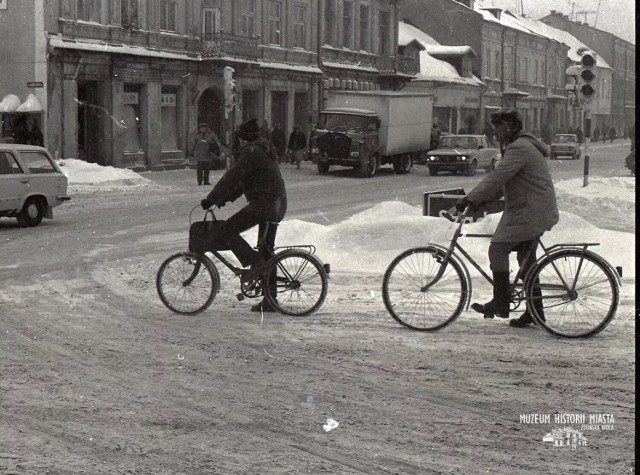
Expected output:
(216, 45)
(391, 65)
(385, 65)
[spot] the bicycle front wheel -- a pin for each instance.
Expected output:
(187, 283)
(412, 295)
(573, 293)
(297, 284)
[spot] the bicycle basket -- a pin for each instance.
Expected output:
(202, 237)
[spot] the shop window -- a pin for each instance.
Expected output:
(275, 23)
(168, 15)
(299, 27)
(130, 13)
(248, 18)
(88, 10)
(364, 27)
(169, 115)
(131, 118)
(347, 24)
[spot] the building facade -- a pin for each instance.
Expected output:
(127, 81)
(620, 55)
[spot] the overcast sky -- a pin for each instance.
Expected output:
(615, 16)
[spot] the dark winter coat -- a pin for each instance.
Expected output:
(297, 140)
(279, 140)
(256, 174)
(522, 177)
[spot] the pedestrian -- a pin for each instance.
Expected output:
(522, 176)
(434, 140)
(596, 134)
(580, 135)
(297, 144)
(205, 147)
(570, 130)
(265, 132)
(256, 174)
(604, 133)
(612, 134)
(279, 141)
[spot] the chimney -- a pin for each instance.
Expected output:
(553, 12)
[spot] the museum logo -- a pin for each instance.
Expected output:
(566, 437)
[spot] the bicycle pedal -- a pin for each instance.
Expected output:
(240, 297)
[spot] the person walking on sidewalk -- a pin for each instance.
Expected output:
(205, 146)
(530, 209)
(279, 141)
(297, 144)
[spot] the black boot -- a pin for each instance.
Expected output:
(499, 305)
(206, 176)
(526, 319)
(263, 306)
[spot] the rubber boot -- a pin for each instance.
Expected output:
(526, 319)
(499, 305)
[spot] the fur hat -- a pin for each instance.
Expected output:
(249, 130)
(203, 124)
(508, 116)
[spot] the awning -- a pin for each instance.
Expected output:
(32, 104)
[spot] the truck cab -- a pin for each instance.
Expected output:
(346, 137)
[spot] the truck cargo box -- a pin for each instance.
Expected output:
(405, 117)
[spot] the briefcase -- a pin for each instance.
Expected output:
(203, 237)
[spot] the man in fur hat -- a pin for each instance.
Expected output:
(522, 177)
(256, 174)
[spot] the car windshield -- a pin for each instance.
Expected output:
(565, 139)
(341, 122)
(452, 141)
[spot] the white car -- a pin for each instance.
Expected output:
(462, 154)
(31, 183)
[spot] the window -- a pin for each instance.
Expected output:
(210, 22)
(8, 164)
(299, 33)
(88, 10)
(37, 162)
(169, 117)
(248, 18)
(168, 15)
(496, 64)
(347, 24)
(275, 23)
(130, 13)
(487, 64)
(329, 21)
(384, 33)
(131, 118)
(364, 27)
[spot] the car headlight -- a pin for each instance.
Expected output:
(432, 157)
(354, 154)
(315, 151)
(463, 158)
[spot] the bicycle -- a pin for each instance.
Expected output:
(294, 283)
(426, 288)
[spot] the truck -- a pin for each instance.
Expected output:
(368, 129)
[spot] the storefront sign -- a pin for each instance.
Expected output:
(35, 84)
(168, 100)
(130, 97)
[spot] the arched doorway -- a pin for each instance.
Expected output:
(210, 110)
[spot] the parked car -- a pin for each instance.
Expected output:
(565, 145)
(464, 154)
(31, 183)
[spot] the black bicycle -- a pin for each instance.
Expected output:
(570, 291)
(295, 282)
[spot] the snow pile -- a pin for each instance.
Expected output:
(85, 177)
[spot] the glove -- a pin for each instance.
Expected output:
(206, 204)
(462, 204)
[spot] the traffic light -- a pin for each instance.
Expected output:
(229, 88)
(585, 89)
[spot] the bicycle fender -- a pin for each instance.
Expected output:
(310, 255)
(465, 269)
(586, 252)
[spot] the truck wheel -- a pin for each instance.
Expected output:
(323, 168)
(403, 164)
(433, 171)
(369, 168)
(471, 169)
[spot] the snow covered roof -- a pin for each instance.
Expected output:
(408, 33)
(432, 69)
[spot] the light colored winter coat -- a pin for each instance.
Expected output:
(522, 176)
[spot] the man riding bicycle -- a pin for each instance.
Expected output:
(256, 174)
(522, 177)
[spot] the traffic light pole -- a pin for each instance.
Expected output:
(587, 140)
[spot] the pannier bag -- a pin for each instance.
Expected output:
(202, 237)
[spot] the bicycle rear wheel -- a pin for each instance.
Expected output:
(413, 306)
(580, 293)
(298, 283)
(187, 283)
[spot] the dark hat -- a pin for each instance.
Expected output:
(203, 124)
(249, 130)
(509, 116)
